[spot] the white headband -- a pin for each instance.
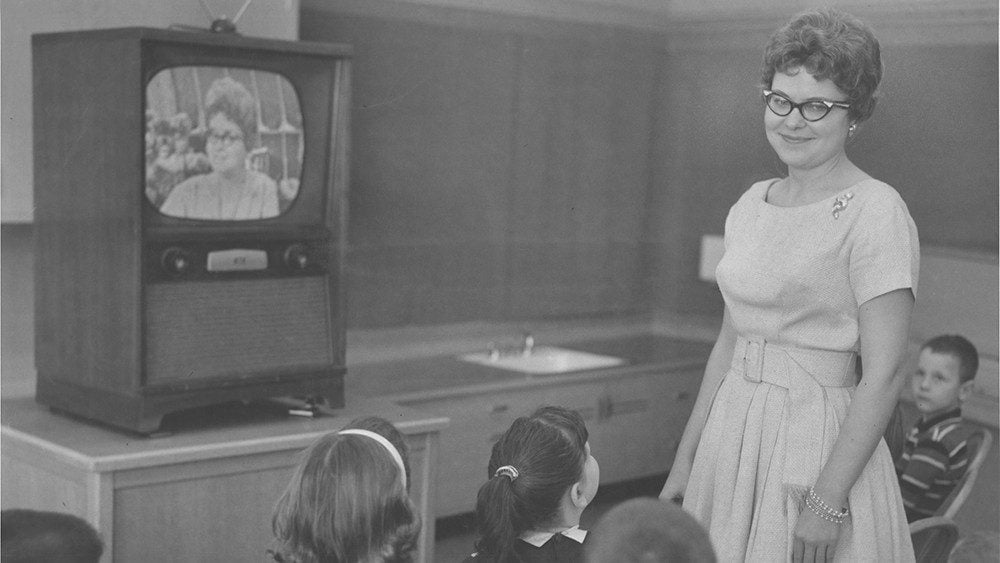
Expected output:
(386, 443)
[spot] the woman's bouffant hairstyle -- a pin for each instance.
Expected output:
(233, 100)
(833, 45)
(548, 451)
(346, 503)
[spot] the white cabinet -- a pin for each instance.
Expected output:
(639, 423)
(635, 420)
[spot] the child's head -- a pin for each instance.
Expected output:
(648, 530)
(347, 502)
(976, 547)
(385, 428)
(541, 475)
(35, 536)
(946, 369)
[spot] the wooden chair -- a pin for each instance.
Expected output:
(979, 445)
(933, 539)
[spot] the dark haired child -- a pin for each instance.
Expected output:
(36, 536)
(648, 530)
(541, 477)
(347, 503)
(935, 454)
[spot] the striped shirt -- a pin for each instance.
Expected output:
(935, 456)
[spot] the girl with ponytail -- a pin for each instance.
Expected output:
(541, 476)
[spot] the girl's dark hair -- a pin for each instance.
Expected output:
(345, 503)
(41, 535)
(833, 45)
(548, 450)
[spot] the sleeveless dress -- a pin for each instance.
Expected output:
(793, 279)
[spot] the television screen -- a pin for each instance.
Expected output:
(222, 143)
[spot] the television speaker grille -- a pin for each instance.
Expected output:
(236, 328)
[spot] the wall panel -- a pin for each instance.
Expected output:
(499, 167)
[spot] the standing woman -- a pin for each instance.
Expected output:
(783, 458)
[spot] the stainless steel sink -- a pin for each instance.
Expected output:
(543, 359)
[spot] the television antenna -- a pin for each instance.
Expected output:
(222, 24)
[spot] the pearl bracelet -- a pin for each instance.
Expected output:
(823, 510)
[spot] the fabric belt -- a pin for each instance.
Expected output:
(804, 373)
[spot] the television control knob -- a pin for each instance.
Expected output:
(297, 257)
(176, 261)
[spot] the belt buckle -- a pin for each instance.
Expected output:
(753, 359)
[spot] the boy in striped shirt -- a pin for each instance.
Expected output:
(935, 455)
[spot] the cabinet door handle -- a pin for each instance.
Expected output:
(683, 395)
(500, 408)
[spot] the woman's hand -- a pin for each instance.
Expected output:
(815, 539)
(677, 480)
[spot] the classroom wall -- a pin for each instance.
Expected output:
(499, 167)
(532, 174)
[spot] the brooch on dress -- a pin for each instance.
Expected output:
(840, 204)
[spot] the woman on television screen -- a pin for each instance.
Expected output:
(231, 190)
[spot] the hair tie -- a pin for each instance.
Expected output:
(386, 443)
(507, 470)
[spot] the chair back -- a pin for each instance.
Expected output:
(933, 539)
(979, 444)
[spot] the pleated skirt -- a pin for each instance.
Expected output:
(740, 491)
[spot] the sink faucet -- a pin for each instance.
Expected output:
(493, 350)
(528, 345)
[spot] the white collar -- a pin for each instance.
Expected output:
(538, 539)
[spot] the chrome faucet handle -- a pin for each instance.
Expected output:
(493, 351)
(528, 345)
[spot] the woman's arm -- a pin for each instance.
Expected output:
(884, 326)
(718, 364)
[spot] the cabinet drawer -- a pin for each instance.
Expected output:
(640, 421)
(477, 422)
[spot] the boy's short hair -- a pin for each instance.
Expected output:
(648, 530)
(961, 349)
(33, 536)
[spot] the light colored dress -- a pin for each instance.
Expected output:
(208, 197)
(793, 279)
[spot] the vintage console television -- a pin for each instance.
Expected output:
(161, 283)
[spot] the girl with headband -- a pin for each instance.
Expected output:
(541, 477)
(347, 503)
